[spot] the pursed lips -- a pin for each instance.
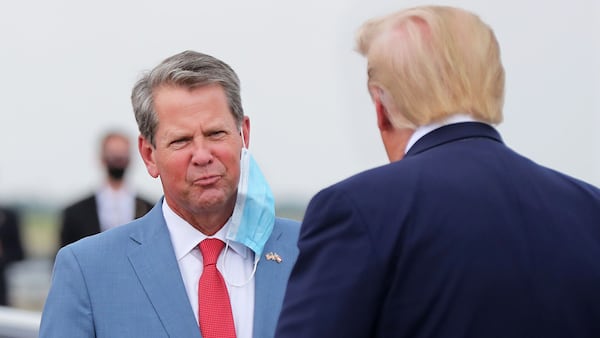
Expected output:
(207, 180)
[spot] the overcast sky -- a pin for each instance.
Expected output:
(67, 68)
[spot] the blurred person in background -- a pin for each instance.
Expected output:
(11, 248)
(459, 236)
(211, 259)
(114, 203)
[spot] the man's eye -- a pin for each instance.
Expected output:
(179, 142)
(217, 134)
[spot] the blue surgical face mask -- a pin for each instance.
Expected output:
(253, 216)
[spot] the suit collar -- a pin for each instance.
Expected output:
(152, 257)
(454, 132)
(426, 129)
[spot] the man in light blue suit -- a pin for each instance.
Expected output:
(142, 279)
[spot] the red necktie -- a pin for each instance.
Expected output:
(214, 308)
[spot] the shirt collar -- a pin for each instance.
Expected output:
(186, 238)
(424, 130)
(106, 190)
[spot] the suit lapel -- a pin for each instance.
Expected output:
(153, 259)
(271, 281)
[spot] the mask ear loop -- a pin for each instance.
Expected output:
(243, 139)
(256, 259)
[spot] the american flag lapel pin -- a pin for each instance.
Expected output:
(273, 256)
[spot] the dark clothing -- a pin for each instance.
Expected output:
(11, 247)
(461, 238)
(81, 218)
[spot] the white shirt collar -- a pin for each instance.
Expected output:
(186, 238)
(107, 190)
(424, 130)
(115, 206)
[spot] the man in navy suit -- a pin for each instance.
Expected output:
(147, 278)
(459, 236)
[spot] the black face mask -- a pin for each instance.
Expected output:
(116, 172)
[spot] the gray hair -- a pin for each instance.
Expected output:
(187, 69)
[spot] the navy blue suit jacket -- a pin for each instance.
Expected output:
(461, 238)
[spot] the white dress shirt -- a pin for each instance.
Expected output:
(115, 206)
(423, 130)
(236, 264)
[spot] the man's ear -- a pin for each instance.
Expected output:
(246, 131)
(147, 152)
(383, 121)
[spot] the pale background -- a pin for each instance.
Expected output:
(67, 68)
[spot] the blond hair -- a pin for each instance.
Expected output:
(434, 62)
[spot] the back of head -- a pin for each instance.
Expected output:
(434, 61)
(187, 69)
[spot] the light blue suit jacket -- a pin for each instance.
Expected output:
(126, 283)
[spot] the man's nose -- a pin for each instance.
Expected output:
(201, 153)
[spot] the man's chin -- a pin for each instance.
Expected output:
(214, 201)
